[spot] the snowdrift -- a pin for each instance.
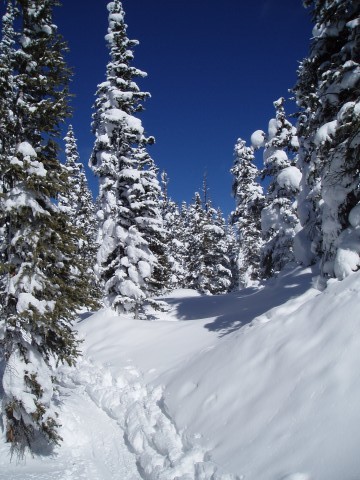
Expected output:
(262, 384)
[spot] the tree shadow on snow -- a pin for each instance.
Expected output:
(83, 316)
(230, 312)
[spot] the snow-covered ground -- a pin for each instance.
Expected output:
(263, 384)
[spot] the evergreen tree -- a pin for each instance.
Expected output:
(69, 200)
(174, 232)
(40, 285)
(195, 238)
(208, 264)
(78, 204)
(149, 221)
(117, 159)
(217, 276)
(7, 91)
(246, 217)
(232, 239)
(183, 235)
(279, 219)
(327, 93)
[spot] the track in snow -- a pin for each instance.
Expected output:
(113, 429)
(159, 450)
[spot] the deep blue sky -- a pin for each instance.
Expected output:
(214, 69)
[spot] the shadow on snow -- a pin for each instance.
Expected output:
(248, 303)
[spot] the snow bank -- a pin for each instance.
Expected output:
(261, 383)
(282, 394)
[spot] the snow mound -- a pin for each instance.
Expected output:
(280, 394)
(260, 384)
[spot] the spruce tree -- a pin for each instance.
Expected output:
(7, 91)
(125, 264)
(69, 201)
(246, 217)
(195, 241)
(218, 278)
(147, 211)
(327, 93)
(78, 204)
(174, 235)
(279, 219)
(40, 285)
(208, 263)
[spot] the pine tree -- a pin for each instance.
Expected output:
(7, 89)
(327, 93)
(127, 274)
(218, 278)
(279, 219)
(208, 263)
(246, 217)
(69, 201)
(174, 234)
(184, 236)
(78, 204)
(40, 286)
(232, 240)
(149, 221)
(195, 238)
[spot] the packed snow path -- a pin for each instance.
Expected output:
(114, 429)
(93, 447)
(149, 434)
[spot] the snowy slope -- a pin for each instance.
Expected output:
(258, 385)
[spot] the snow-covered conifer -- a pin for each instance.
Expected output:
(77, 203)
(118, 160)
(42, 284)
(327, 93)
(218, 277)
(194, 251)
(69, 200)
(7, 93)
(232, 240)
(208, 264)
(246, 217)
(174, 232)
(279, 219)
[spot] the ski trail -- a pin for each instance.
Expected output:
(159, 450)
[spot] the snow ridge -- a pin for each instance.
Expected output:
(162, 453)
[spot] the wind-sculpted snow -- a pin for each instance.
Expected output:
(262, 383)
(161, 452)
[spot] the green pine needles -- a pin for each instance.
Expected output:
(43, 282)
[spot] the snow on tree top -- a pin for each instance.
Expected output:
(273, 128)
(258, 139)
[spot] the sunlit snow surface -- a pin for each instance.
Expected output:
(262, 384)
